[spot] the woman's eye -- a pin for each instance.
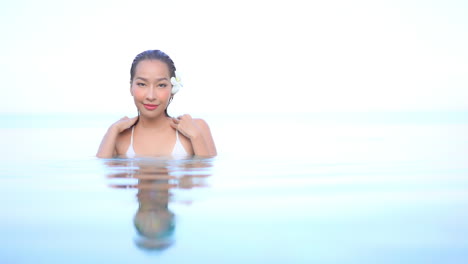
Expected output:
(140, 84)
(162, 85)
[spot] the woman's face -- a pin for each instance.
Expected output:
(151, 87)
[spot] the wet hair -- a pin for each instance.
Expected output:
(153, 55)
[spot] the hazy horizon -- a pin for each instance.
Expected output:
(238, 56)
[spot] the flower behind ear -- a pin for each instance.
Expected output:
(176, 83)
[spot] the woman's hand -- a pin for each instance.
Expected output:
(107, 149)
(124, 123)
(198, 131)
(187, 126)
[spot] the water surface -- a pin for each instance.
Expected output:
(316, 188)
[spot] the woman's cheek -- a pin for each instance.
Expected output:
(138, 93)
(165, 94)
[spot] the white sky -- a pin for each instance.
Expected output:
(237, 56)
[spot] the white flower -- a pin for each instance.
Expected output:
(176, 83)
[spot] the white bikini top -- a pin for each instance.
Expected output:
(178, 150)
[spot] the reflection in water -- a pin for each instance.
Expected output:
(155, 180)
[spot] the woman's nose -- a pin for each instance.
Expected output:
(150, 93)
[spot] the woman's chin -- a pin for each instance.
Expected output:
(151, 114)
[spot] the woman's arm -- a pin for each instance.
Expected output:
(107, 148)
(203, 145)
(198, 131)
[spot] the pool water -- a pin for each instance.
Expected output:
(306, 188)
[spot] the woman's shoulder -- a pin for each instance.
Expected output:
(123, 139)
(198, 121)
(201, 123)
(127, 132)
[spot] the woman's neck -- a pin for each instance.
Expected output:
(153, 123)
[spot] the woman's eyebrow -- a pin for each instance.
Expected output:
(141, 78)
(158, 80)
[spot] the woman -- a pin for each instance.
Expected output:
(153, 132)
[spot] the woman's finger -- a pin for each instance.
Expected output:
(185, 116)
(174, 125)
(134, 119)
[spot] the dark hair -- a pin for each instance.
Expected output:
(153, 55)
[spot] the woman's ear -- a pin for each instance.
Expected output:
(131, 90)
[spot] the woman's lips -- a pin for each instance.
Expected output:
(150, 106)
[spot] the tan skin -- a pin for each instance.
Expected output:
(155, 133)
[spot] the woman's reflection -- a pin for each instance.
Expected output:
(154, 221)
(155, 181)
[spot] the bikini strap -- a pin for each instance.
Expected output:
(131, 138)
